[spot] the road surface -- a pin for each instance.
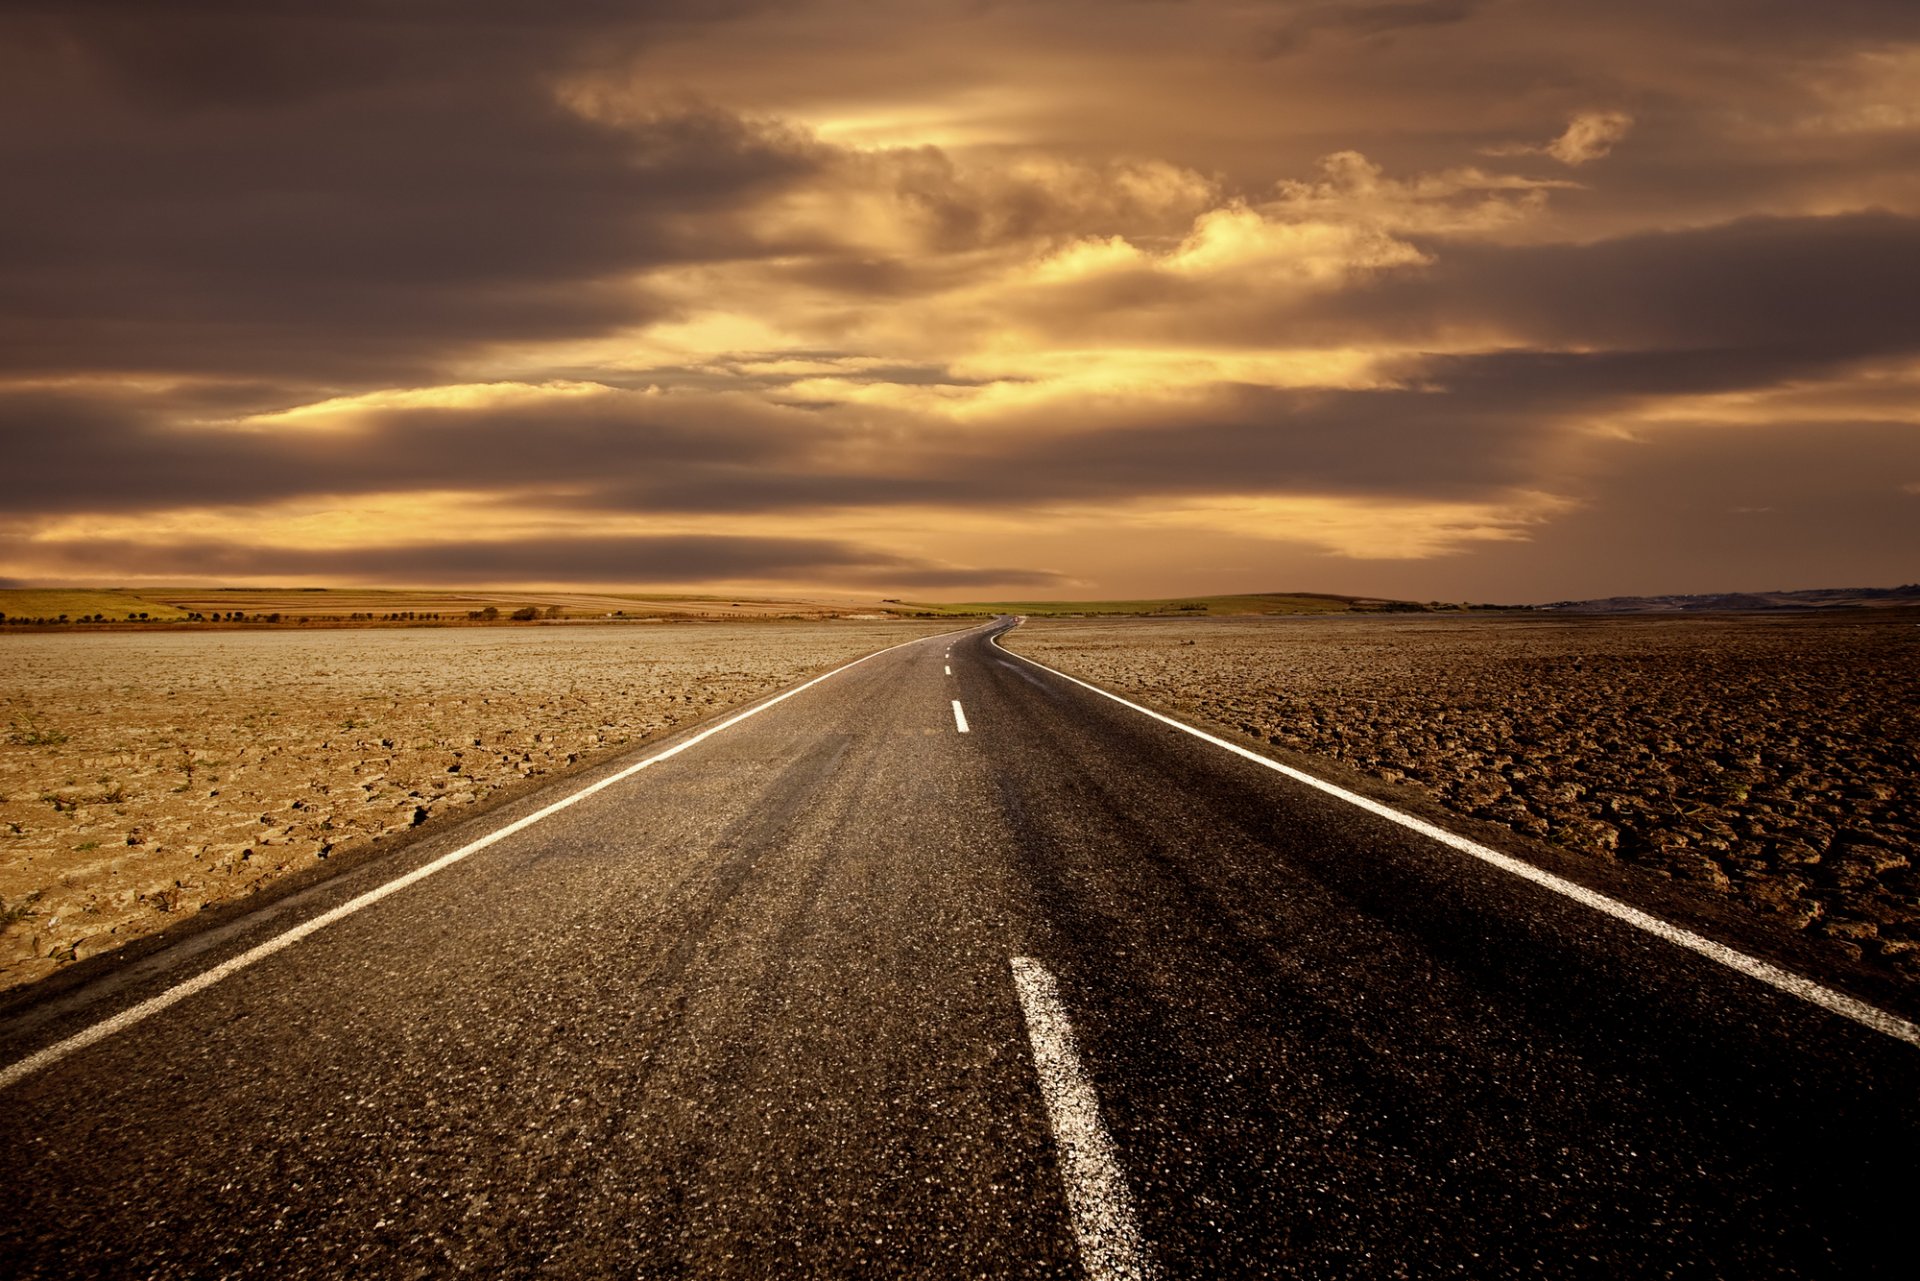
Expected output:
(947, 966)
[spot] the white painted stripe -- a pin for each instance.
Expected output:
(100, 1031)
(1752, 966)
(949, 671)
(1097, 1196)
(959, 717)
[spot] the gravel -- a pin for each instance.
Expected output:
(1767, 762)
(147, 776)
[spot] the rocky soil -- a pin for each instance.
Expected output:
(1772, 762)
(144, 776)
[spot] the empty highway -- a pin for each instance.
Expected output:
(944, 965)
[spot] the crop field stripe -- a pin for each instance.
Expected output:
(1111, 1247)
(23, 1068)
(1782, 980)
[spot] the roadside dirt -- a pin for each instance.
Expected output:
(146, 776)
(1770, 763)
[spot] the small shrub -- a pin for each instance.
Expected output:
(27, 731)
(18, 912)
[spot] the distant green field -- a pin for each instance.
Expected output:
(1178, 606)
(114, 606)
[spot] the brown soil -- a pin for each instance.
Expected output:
(144, 776)
(1770, 763)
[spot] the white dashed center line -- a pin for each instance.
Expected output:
(1111, 1248)
(959, 717)
(949, 671)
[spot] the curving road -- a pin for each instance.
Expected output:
(947, 966)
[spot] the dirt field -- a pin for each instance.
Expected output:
(146, 775)
(1768, 761)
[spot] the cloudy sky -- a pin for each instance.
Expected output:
(1506, 300)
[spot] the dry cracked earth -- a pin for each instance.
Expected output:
(1769, 763)
(1766, 762)
(148, 776)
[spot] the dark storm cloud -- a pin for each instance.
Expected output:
(1830, 287)
(1366, 20)
(69, 453)
(1740, 307)
(1468, 433)
(184, 55)
(1795, 292)
(1774, 25)
(339, 194)
(633, 453)
(1757, 507)
(558, 559)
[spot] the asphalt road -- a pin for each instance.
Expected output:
(755, 1011)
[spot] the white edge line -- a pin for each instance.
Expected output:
(23, 1068)
(959, 717)
(1097, 1197)
(1752, 966)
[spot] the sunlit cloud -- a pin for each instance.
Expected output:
(1370, 529)
(1589, 136)
(345, 412)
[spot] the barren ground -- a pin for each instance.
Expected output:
(1771, 762)
(148, 775)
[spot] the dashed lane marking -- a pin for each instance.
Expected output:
(1111, 1248)
(959, 717)
(1753, 967)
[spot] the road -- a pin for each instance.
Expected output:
(946, 966)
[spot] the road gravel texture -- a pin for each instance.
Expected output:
(1769, 763)
(147, 776)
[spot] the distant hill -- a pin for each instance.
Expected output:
(1181, 606)
(1823, 598)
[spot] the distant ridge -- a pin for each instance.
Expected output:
(1822, 598)
(1181, 606)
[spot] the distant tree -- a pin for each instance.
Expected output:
(525, 614)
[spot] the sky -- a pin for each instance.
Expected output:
(1491, 300)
